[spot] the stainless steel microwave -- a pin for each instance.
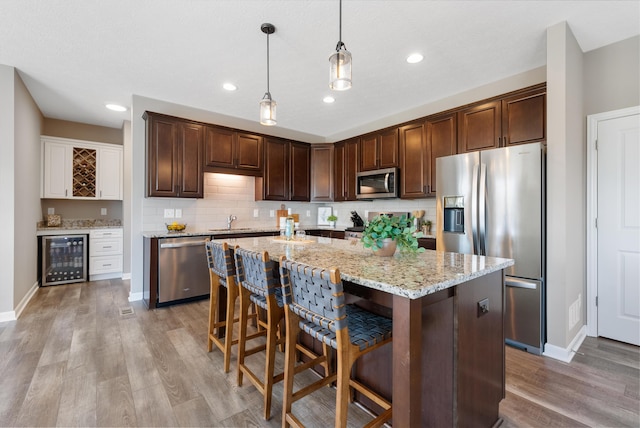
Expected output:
(381, 183)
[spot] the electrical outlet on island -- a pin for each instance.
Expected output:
(103, 211)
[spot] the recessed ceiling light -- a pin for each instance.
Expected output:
(414, 58)
(328, 100)
(229, 86)
(116, 107)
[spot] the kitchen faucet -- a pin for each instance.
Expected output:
(230, 220)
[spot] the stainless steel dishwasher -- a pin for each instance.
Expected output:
(183, 271)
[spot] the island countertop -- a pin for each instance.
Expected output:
(408, 275)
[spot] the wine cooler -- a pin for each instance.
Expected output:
(64, 259)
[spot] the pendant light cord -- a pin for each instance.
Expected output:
(340, 44)
(268, 91)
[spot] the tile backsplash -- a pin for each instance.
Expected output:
(226, 194)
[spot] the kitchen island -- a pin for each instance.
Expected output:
(446, 363)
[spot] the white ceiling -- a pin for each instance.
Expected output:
(76, 55)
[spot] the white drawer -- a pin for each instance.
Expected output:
(105, 264)
(105, 247)
(105, 233)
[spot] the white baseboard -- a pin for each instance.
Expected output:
(13, 315)
(8, 316)
(566, 354)
(126, 275)
(135, 296)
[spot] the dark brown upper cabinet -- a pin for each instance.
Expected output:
(322, 172)
(524, 117)
(174, 156)
(286, 171)
(300, 162)
(516, 118)
(345, 167)
(379, 150)
(414, 166)
(230, 151)
(441, 141)
(479, 127)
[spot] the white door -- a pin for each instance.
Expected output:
(619, 229)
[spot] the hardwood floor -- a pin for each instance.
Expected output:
(73, 359)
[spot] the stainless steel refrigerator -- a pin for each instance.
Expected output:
(493, 203)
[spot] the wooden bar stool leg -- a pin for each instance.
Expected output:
(290, 357)
(274, 316)
(242, 336)
(213, 307)
(231, 304)
(342, 387)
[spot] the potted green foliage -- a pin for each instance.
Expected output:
(332, 220)
(384, 233)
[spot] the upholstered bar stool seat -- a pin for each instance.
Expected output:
(315, 303)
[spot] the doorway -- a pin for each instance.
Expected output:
(613, 231)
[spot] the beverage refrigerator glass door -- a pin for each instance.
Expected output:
(64, 259)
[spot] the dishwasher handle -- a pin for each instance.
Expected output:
(185, 244)
(519, 283)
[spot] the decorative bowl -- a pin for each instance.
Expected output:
(176, 227)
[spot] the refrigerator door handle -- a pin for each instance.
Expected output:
(474, 211)
(482, 200)
(519, 283)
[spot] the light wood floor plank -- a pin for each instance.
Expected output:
(114, 404)
(153, 408)
(195, 413)
(139, 361)
(40, 405)
(78, 401)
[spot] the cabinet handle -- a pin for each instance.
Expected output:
(65, 192)
(101, 193)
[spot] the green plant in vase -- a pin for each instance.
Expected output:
(332, 220)
(399, 230)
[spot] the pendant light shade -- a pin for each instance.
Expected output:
(267, 104)
(267, 110)
(340, 64)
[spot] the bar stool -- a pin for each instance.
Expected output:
(222, 272)
(315, 303)
(259, 284)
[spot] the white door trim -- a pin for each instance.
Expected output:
(592, 211)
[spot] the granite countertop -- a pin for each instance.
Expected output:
(407, 275)
(218, 232)
(206, 232)
(71, 226)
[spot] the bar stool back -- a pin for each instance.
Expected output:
(315, 303)
(222, 272)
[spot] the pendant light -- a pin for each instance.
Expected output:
(268, 105)
(340, 64)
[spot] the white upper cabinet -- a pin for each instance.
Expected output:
(75, 169)
(110, 173)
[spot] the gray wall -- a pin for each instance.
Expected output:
(7, 186)
(20, 126)
(566, 183)
(612, 77)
